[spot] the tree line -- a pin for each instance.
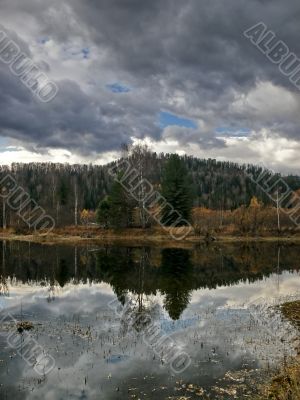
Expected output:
(77, 194)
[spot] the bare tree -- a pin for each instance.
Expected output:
(4, 213)
(278, 210)
(75, 204)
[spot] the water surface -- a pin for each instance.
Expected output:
(93, 309)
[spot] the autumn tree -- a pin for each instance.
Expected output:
(250, 219)
(255, 215)
(87, 216)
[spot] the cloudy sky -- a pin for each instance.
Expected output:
(179, 75)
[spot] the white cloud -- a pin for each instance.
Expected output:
(267, 100)
(13, 154)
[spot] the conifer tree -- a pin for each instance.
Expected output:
(121, 206)
(176, 189)
(103, 212)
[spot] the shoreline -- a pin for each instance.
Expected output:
(139, 237)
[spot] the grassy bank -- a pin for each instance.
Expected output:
(159, 236)
(82, 234)
(284, 386)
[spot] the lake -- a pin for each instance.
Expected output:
(116, 322)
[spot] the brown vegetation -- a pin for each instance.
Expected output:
(253, 222)
(244, 221)
(286, 385)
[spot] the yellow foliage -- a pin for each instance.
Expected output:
(254, 203)
(87, 216)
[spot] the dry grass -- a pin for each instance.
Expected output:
(286, 385)
(291, 311)
(154, 236)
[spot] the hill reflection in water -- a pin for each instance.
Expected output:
(142, 271)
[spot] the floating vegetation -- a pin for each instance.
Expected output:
(291, 311)
(24, 326)
(286, 384)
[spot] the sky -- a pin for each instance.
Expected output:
(178, 75)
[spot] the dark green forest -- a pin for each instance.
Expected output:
(59, 188)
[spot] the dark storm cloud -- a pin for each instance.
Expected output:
(73, 120)
(190, 58)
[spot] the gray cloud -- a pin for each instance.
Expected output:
(190, 58)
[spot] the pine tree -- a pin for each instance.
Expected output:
(176, 189)
(63, 193)
(103, 212)
(121, 206)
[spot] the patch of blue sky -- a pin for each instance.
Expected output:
(227, 131)
(76, 52)
(43, 39)
(116, 358)
(168, 119)
(168, 326)
(5, 145)
(85, 52)
(118, 88)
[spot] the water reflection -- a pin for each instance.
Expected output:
(144, 271)
(177, 264)
(195, 295)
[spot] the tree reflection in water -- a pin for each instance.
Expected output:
(137, 273)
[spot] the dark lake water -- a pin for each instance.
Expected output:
(113, 322)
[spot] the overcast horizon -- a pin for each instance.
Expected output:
(181, 76)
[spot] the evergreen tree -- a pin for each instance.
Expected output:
(176, 189)
(121, 206)
(103, 212)
(63, 193)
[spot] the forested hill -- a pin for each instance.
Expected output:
(215, 184)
